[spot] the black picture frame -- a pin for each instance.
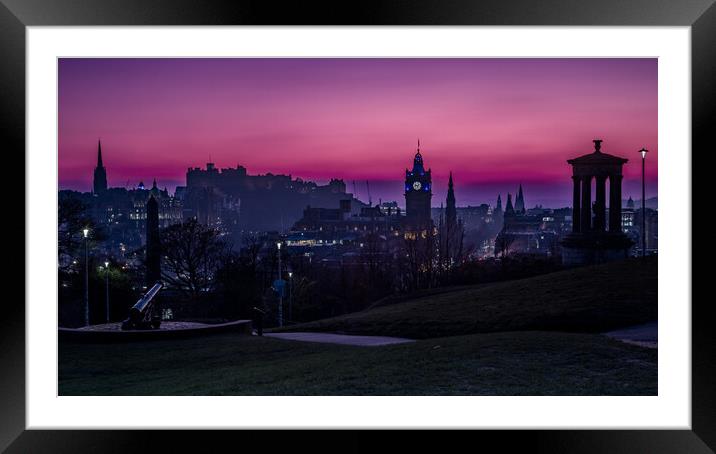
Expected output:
(16, 15)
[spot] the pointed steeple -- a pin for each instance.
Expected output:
(509, 209)
(155, 190)
(99, 183)
(499, 203)
(99, 153)
(450, 210)
(520, 201)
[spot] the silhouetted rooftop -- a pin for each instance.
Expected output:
(597, 157)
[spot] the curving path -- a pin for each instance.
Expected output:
(646, 335)
(344, 339)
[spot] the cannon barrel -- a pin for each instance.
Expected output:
(139, 311)
(143, 303)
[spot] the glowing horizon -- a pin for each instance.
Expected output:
(495, 123)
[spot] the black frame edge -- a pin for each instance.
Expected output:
(700, 14)
(547, 442)
(373, 12)
(703, 102)
(12, 131)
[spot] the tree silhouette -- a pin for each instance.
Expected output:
(503, 242)
(72, 218)
(192, 254)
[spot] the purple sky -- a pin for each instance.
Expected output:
(493, 122)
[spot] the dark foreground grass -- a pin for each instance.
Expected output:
(512, 363)
(589, 299)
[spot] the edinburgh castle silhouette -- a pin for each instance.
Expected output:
(309, 214)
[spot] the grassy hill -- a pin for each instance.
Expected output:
(588, 299)
(460, 351)
(523, 363)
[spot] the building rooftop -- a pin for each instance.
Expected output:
(597, 157)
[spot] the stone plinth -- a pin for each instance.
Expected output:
(111, 332)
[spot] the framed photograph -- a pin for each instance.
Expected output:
(406, 217)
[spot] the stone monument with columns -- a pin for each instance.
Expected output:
(593, 240)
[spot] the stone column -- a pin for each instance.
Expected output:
(586, 216)
(600, 217)
(153, 248)
(615, 203)
(576, 207)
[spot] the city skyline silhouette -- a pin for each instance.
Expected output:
(495, 123)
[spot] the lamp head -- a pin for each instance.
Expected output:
(85, 232)
(106, 264)
(643, 152)
(278, 245)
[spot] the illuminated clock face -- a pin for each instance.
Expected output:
(417, 185)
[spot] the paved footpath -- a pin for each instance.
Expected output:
(645, 335)
(345, 339)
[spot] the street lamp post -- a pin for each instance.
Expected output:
(85, 232)
(280, 293)
(106, 288)
(290, 295)
(643, 152)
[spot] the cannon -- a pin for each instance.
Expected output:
(141, 315)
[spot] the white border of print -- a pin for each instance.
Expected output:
(670, 409)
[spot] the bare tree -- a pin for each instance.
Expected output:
(421, 258)
(192, 253)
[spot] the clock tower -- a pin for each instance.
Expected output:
(418, 192)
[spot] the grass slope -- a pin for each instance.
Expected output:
(589, 299)
(522, 363)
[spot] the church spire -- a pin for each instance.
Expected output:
(99, 153)
(520, 201)
(450, 210)
(509, 208)
(99, 183)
